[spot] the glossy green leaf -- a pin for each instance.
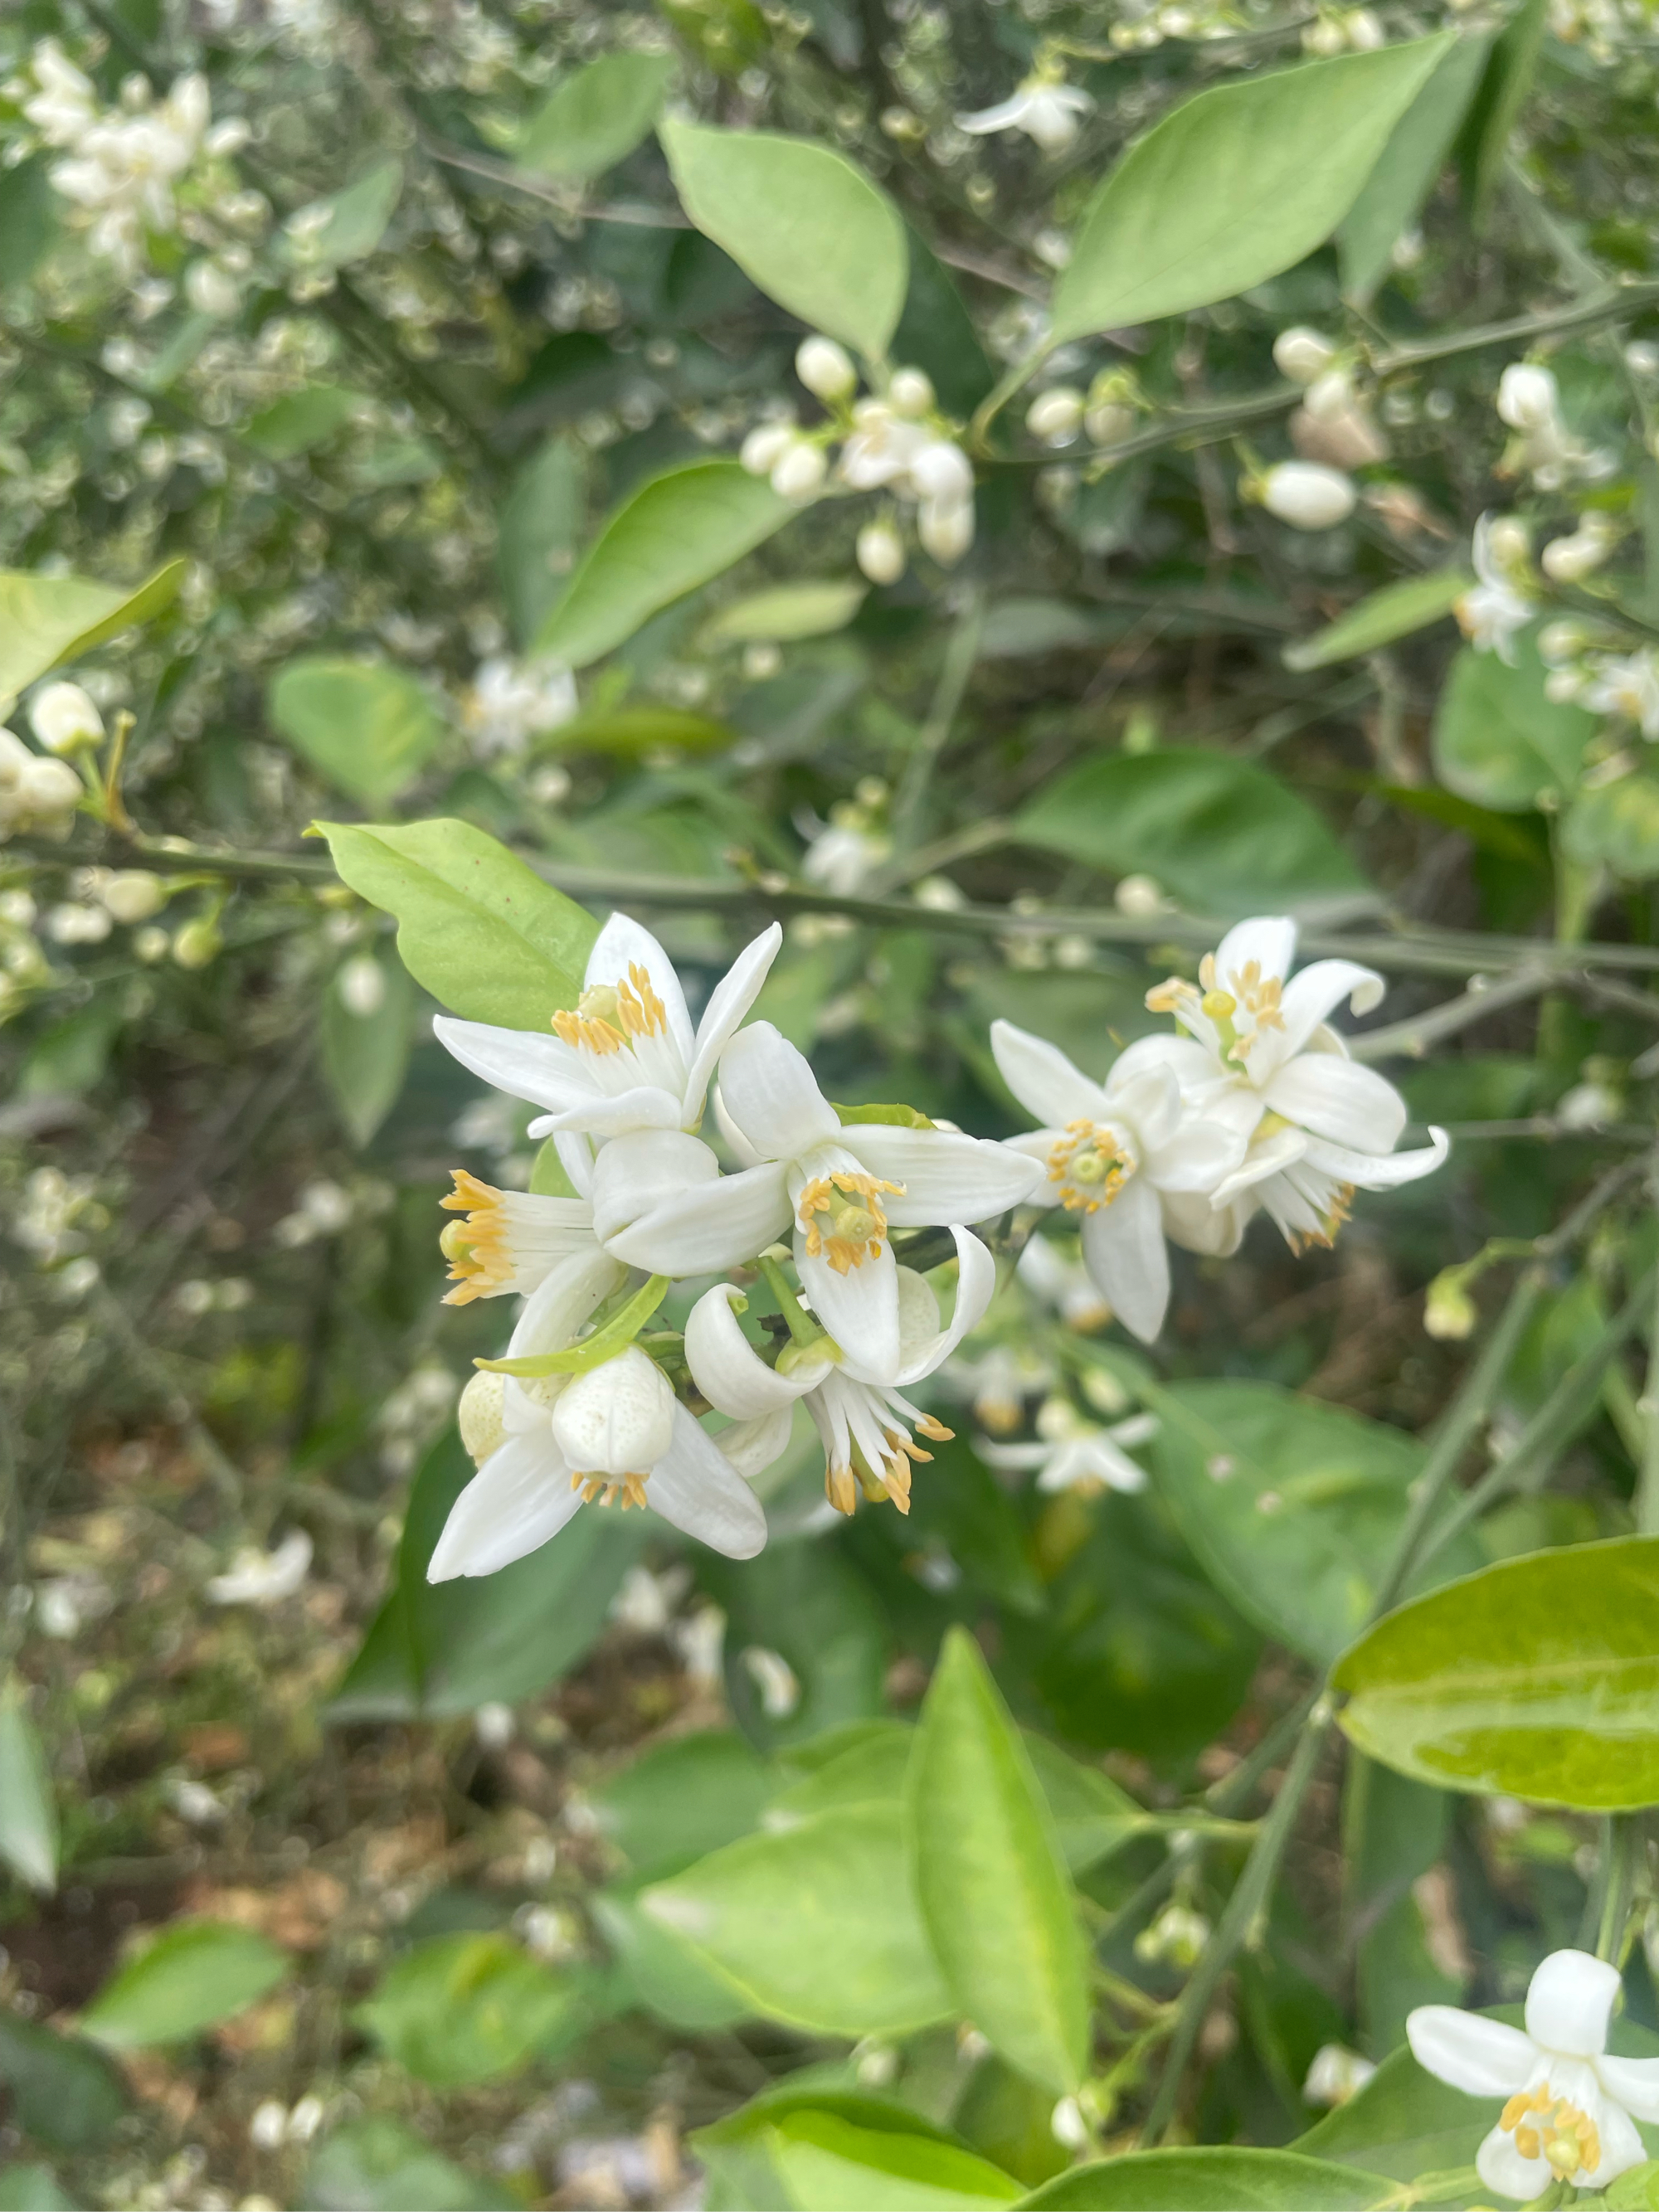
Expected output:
(467, 2007)
(379, 2165)
(657, 1971)
(1537, 1678)
(475, 927)
(301, 421)
(365, 1057)
(1616, 826)
(737, 2151)
(1236, 185)
(367, 728)
(47, 620)
(991, 1877)
(1392, 196)
(541, 526)
(1497, 738)
(346, 226)
(817, 1926)
(1290, 1505)
(830, 2165)
(1092, 1816)
(812, 608)
(1395, 611)
(28, 1812)
(804, 222)
(64, 2093)
(682, 1800)
(673, 533)
(870, 1771)
(1220, 834)
(936, 333)
(1209, 2179)
(195, 1972)
(595, 115)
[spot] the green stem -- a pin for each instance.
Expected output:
(803, 1328)
(997, 398)
(1617, 1868)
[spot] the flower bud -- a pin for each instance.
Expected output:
(881, 552)
(212, 290)
(48, 786)
(1566, 560)
(1449, 1312)
(1527, 397)
(1108, 422)
(1508, 544)
(480, 1416)
(942, 472)
(910, 391)
(826, 369)
(199, 944)
(946, 529)
(133, 894)
(1330, 395)
(63, 717)
(765, 446)
(616, 1420)
(1302, 354)
(151, 944)
(1054, 416)
(798, 471)
(1140, 895)
(761, 659)
(1306, 494)
(1562, 685)
(1560, 641)
(362, 986)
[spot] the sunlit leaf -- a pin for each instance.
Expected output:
(1210, 2178)
(810, 609)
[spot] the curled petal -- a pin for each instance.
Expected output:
(1045, 1082)
(563, 1301)
(1338, 1100)
(696, 1487)
(1506, 2174)
(1264, 1159)
(645, 1107)
(1268, 940)
(1481, 2056)
(1124, 1251)
(752, 1446)
(1634, 2082)
(642, 1169)
(976, 1279)
(520, 1498)
(728, 1002)
(1385, 1171)
(521, 1062)
(945, 1178)
(729, 1371)
(1570, 2001)
(770, 1095)
(1318, 992)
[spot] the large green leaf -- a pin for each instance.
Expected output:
(805, 223)
(657, 1970)
(829, 2164)
(467, 2007)
(1222, 835)
(64, 2092)
(1537, 1678)
(379, 2165)
(817, 1925)
(1500, 741)
(1237, 184)
(1395, 611)
(1483, 145)
(348, 225)
(44, 620)
(1209, 2179)
(475, 927)
(673, 533)
(991, 1877)
(195, 1972)
(29, 1814)
(1291, 1505)
(1394, 194)
(1616, 826)
(595, 115)
(365, 728)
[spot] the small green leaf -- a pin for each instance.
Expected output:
(380, 2165)
(596, 116)
(1211, 2177)
(46, 620)
(477, 927)
(195, 1972)
(1236, 185)
(1636, 2190)
(1616, 825)
(468, 2007)
(300, 421)
(804, 223)
(1395, 611)
(1394, 194)
(991, 1876)
(365, 728)
(365, 1057)
(830, 2165)
(811, 609)
(1537, 1678)
(348, 225)
(885, 1117)
(29, 1814)
(671, 534)
(1499, 739)
(64, 2093)
(738, 2150)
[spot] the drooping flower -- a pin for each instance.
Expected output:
(627, 1057)
(1064, 1284)
(867, 1426)
(1569, 2113)
(1073, 1453)
(1041, 106)
(1492, 612)
(1112, 1152)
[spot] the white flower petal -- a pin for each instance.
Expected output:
(1506, 2174)
(1124, 1251)
(1045, 1082)
(1381, 1171)
(1634, 2082)
(522, 1062)
(1007, 115)
(1318, 992)
(1338, 1100)
(947, 1178)
(520, 1498)
(616, 1418)
(645, 1107)
(642, 1169)
(728, 1002)
(745, 1152)
(563, 1301)
(1192, 1222)
(1269, 939)
(1196, 1157)
(696, 1487)
(710, 1228)
(576, 1157)
(752, 1446)
(922, 1352)
(1193, 1066)
(1264, 1159)
(622, 944)
(1481, 2056)
(1570, 2001)
(858, 1309)
(1147, 1096)
(771, 1095)
(729, 1371)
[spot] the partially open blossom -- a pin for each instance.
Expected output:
(1491, 613)
(1625, 684)
(1336, 2075)
(1043, 107)
(512, 702)
(1064, 1284)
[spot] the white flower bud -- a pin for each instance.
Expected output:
(77, 925)
(1140, 895)
(1306, 494)
(1507, 542)
(1302, 354)
(1365, 33)
(133, 894)
(1560, 641)
(362, 986)
(826, 369)
(942, 472)
(199, 944)
(1527, 397)
(798, 471)
(151, 944)
(48, 786)
(15, 759)
(1329, 395)
(212, 290)
(616, 1420)
(63, 717)
(761, 659)
(1054, 416)
(910, 393)
(946, 529)
(480, 1416)
(1108, 422)
(881, 553)
(1562, 685)
(1566, 560)
(765, 446)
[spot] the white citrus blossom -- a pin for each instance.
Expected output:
(1073, 1453)
(1041, 106)
(998, 1382)
(1626, 685)
(550, 1445)
(1260, 1057)
(1493, 612)
(509, 1241)
(1569, 2113)
(1113, 1151)
(123, 164)
(512, 702)
(867, 1426)
(1064, 1284)
(627, 1057)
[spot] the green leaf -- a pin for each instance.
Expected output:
(936, 333)
(47, 620)
(991, 1877)
(1616, 826)
(1537, 1678)
(540, 528)
(365, 728)
(596, 116)
(475, 927)
(468, 2007)
(806, 1602)
(1394, 1832)
(28, 219)
(1236, 185)
(380, 2165)
(817, 1926)
(830, 2165)
(1291, 1505)
(683, 1800)
(300, 421)
(346, 226)
(1394, 194)
(738, 2150)
(804, 223)
(660, 1971)
(812, 608)
(1395, 611)
(1209, 2179)
(1498, 739)
(31, 2188)
(635, 732)
(195, 1972)
(671, 534)
(28, 1812)
(64, 2093)
(1092, 1816)
(870, 1771)
(1221, 835)
(1483, 144)
(366, 1056)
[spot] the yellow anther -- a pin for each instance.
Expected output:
(603, 1489)
(476, 1248)
(1563, 2136)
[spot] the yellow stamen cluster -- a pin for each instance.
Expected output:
(841, 1215)
(1544, 2125)
(609, 1014)
(842, 1484)
(1340, 1207)
(1090, 1166)
(476, 1248)
(604, 1487)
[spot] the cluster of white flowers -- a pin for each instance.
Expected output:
(1256, 1106)
(896, 442)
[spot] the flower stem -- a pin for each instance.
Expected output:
(803, 1328)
